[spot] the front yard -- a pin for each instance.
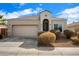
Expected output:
(23, 46)
(24, 42)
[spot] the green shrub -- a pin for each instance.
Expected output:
(46, 38)
(69, 33)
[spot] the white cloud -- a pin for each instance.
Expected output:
(19, 5)
(12, 15)
(71, 14)
(26, 11)
(2, 13)
(17, 14)
(40, 4)
(22, 4)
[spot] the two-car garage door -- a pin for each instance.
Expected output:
(25, 31)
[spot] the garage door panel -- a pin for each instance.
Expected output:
(26, 31)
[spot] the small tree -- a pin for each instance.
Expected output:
(2, 20)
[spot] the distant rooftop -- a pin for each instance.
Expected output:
(73, 24)
(3, 26)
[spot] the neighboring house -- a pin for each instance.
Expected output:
(29, 26)
(74, 26)
(3, 30)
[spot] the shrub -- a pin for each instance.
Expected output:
(69, 33)
(78, 34)
(75, 40)
(53, 31)
(46, 38)
(58, 35)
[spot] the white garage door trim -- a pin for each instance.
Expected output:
(29, 31)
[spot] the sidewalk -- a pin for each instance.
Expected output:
(42, 51)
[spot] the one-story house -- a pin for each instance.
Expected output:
(29, 26)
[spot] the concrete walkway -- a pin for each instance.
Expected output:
(28, 47)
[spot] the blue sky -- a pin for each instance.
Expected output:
(69, 11)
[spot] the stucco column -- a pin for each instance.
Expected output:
(9, 30)
(49, 24)
(41, 25)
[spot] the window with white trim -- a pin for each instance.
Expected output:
(57, 27)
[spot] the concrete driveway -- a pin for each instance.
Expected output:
(28, 47)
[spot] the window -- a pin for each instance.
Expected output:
(58, 27)
(55, 26)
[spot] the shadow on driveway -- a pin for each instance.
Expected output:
(28, 43)
(34, 46)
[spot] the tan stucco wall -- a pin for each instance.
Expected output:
(19, 22)
(63, 22)
(24, 22)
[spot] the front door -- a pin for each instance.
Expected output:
(45, 25)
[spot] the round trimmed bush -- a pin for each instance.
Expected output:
(47, 38)
(39, 33)
(69, 33)
(75, 39)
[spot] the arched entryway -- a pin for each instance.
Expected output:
(45, 25)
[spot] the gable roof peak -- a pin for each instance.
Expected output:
(45, 10)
